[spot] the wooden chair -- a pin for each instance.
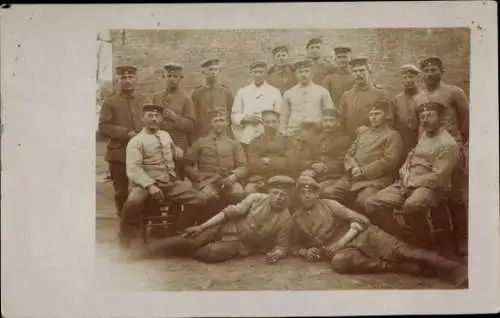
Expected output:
(160, 219)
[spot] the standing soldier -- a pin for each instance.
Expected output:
(250, 101)
(456, 121)
(303, 103)
(371, 161)
(355, 103)
(209, 96)
(342, 80)
(281, 75)
(320, 67)
(269, 154)
(120, 119)
(405, 121)
(178, 111)
(322, 155)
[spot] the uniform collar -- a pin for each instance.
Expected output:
(169, 90)
(380, 129)
(215, 137)
(214, 85)
(363, 88)
(127, 95)
(411, 92)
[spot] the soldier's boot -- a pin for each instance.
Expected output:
(451, 271)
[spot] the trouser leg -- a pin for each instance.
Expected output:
(379, 207)
(362, 196)
(118, 174)
(193, 202)
(219, 251)
(128, 215)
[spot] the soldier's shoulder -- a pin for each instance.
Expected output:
(447, 139)
(453, 88)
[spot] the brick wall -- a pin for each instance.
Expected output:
(387, 49)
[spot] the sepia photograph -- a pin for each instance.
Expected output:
(276, 159)
(249, 160)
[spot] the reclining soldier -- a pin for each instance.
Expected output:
(150, 159)
(218, 162)
(269, 154)
(260, 223)
(324, 229)
(321, 156)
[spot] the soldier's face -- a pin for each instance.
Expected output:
(278, 198)
(271, 122)
(330, 123)
(430, 120)
(152, 119)
(360, 74)
(173, 79)
(314, 50)
(281, 57)
(219, 125)
(308, 197)
(211, 72)
(258, 74)
(432, 74)
(127, 82)
(304, 74)
(409, 80)
(377, 117)
(343, 59)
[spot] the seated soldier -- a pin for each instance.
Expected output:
(322, 155)
(269, 154)
(258, 224)
(324, 229)
(371, 161)
(220, 161)
(423, 178)
(150, 163)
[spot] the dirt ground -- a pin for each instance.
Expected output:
(114, 272)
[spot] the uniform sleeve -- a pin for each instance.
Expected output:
(285, 112)
(445, 161)
(342, 109)
(327, 84)
(237, 109)
(461, 104)
(134, 164)
(106, 125)
(349, 161)
(347, 214)
(240, 159)
(341, 146)
(255, 166)
(284, 161)
(393, 149)
(283, 236)
(327, 101)
(229, 102)
(297, 238)
(187, 120)
(241, 209)
(192, 154)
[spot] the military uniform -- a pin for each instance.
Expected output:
(376, 151)
(151, 161)
(120, 114)
(249, 227)
(282, 77)
(371, 250)
(179, 102)
(208, 97)
(330, 149)
(320, 69)
(338, 83)
(217, 157)
(424, 177)
(280, 155)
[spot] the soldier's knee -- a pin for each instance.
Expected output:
(210, 253)
(371, 205)
(413, 206)
(341, 262)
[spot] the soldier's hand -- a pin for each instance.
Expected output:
(179, 153)
(331, 250)
(319, 167)
(265, 160)
(356, 172)
(131, 133)
(273, 257)
(192, 231)
(313, 254)
(170, 114)
(155, 192)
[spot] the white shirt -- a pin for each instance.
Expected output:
(252, 100)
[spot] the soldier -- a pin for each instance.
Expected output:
(304, 102)
(220, 161)
(371, 161)
(258, 224)
(178, 110)
(269, 154)
(120, 120)
(250, 101)
(405, 120)
(456, 121)
(281, 75)
(355, 103)
(423, 178)
(320, 66)
(342, 80)
(151, 156)
(322, 155)
(326, 230)
(209, 96)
